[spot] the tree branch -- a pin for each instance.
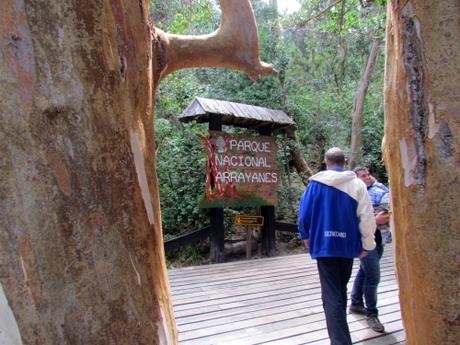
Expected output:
(305, 22)
(234, 45)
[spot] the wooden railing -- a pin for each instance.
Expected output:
(286, 227)
(187, 239)
(205, 232)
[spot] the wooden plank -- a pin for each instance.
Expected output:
(298, 260)
(273, 301)
(307, 311)
(312, 304)
(276, 276)
(389, 338)
(370, 337)
(221, 291)
(264, 271)
(249, 272)
(307, 333)
(268, 321)
(256, 310)
(282, 261)
(315, 296)
(308, 330)
(298, 295)
(305, 306)
(223, 295)
(255, 266)
(233, 302)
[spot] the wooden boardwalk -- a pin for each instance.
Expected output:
(271, 301)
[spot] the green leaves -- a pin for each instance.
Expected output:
(304, 47)
(180, 24)
(181, 163)
(198, 18)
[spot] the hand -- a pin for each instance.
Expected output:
(363, 254)
(306, 244)
(382, 218)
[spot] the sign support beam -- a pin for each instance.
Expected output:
(268, 212)
(217, 237)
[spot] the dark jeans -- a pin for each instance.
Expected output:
(334, 274)
(367, 281)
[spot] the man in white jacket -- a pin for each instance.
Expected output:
(337, 224)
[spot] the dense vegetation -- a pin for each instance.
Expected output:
(319, 51)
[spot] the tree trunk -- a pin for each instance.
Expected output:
(81, 243)
(300, 164)
(422, 154)
(358, 106)
(276, 32)
(314, 44)
(343, 55)
(81, 247)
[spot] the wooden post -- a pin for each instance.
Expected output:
(268, 212)
(217, 237)
(249, 231)
(268, 231)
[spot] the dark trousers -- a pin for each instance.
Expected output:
(334, 274)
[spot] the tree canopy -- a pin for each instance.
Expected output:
(319, 52)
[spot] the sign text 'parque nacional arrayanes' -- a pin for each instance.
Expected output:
(240, 171)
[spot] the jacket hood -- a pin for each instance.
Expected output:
(333, 178)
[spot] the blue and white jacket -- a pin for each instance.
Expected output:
(336, 215)
(379, 194)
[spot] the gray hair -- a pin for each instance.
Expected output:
(360, 168)
(335, 156)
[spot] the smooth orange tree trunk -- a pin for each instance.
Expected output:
(81, 243)
(422, 149)
(81, 247)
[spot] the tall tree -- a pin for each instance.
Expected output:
(81, 246)
(358, 106)
(422, 153)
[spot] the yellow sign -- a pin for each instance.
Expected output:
(249, 220)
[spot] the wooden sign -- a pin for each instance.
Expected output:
(241, 170)
(249, 220)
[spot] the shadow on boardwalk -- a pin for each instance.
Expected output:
(271, 301)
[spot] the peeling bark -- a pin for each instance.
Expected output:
(422, 155)
(81, 244)
(80, 218)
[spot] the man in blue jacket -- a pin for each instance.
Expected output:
(336, 224)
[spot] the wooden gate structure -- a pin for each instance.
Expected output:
(266, 122)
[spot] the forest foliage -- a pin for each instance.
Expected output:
(319, 53)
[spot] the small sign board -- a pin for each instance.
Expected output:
(242, 219)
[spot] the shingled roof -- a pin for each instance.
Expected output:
(237, 114)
